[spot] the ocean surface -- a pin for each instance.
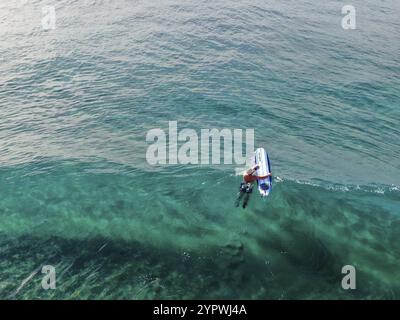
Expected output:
(76, 191)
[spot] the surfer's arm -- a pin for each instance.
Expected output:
(266, 176)
(253, 169)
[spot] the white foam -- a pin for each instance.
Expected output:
(378, 189)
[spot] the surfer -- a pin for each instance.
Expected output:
(246, 187)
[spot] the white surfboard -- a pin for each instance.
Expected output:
(261, 158)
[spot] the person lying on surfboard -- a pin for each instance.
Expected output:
(246, 187)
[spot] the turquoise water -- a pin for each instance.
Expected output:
(77, 193)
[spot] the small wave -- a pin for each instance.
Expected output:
(378, 189)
